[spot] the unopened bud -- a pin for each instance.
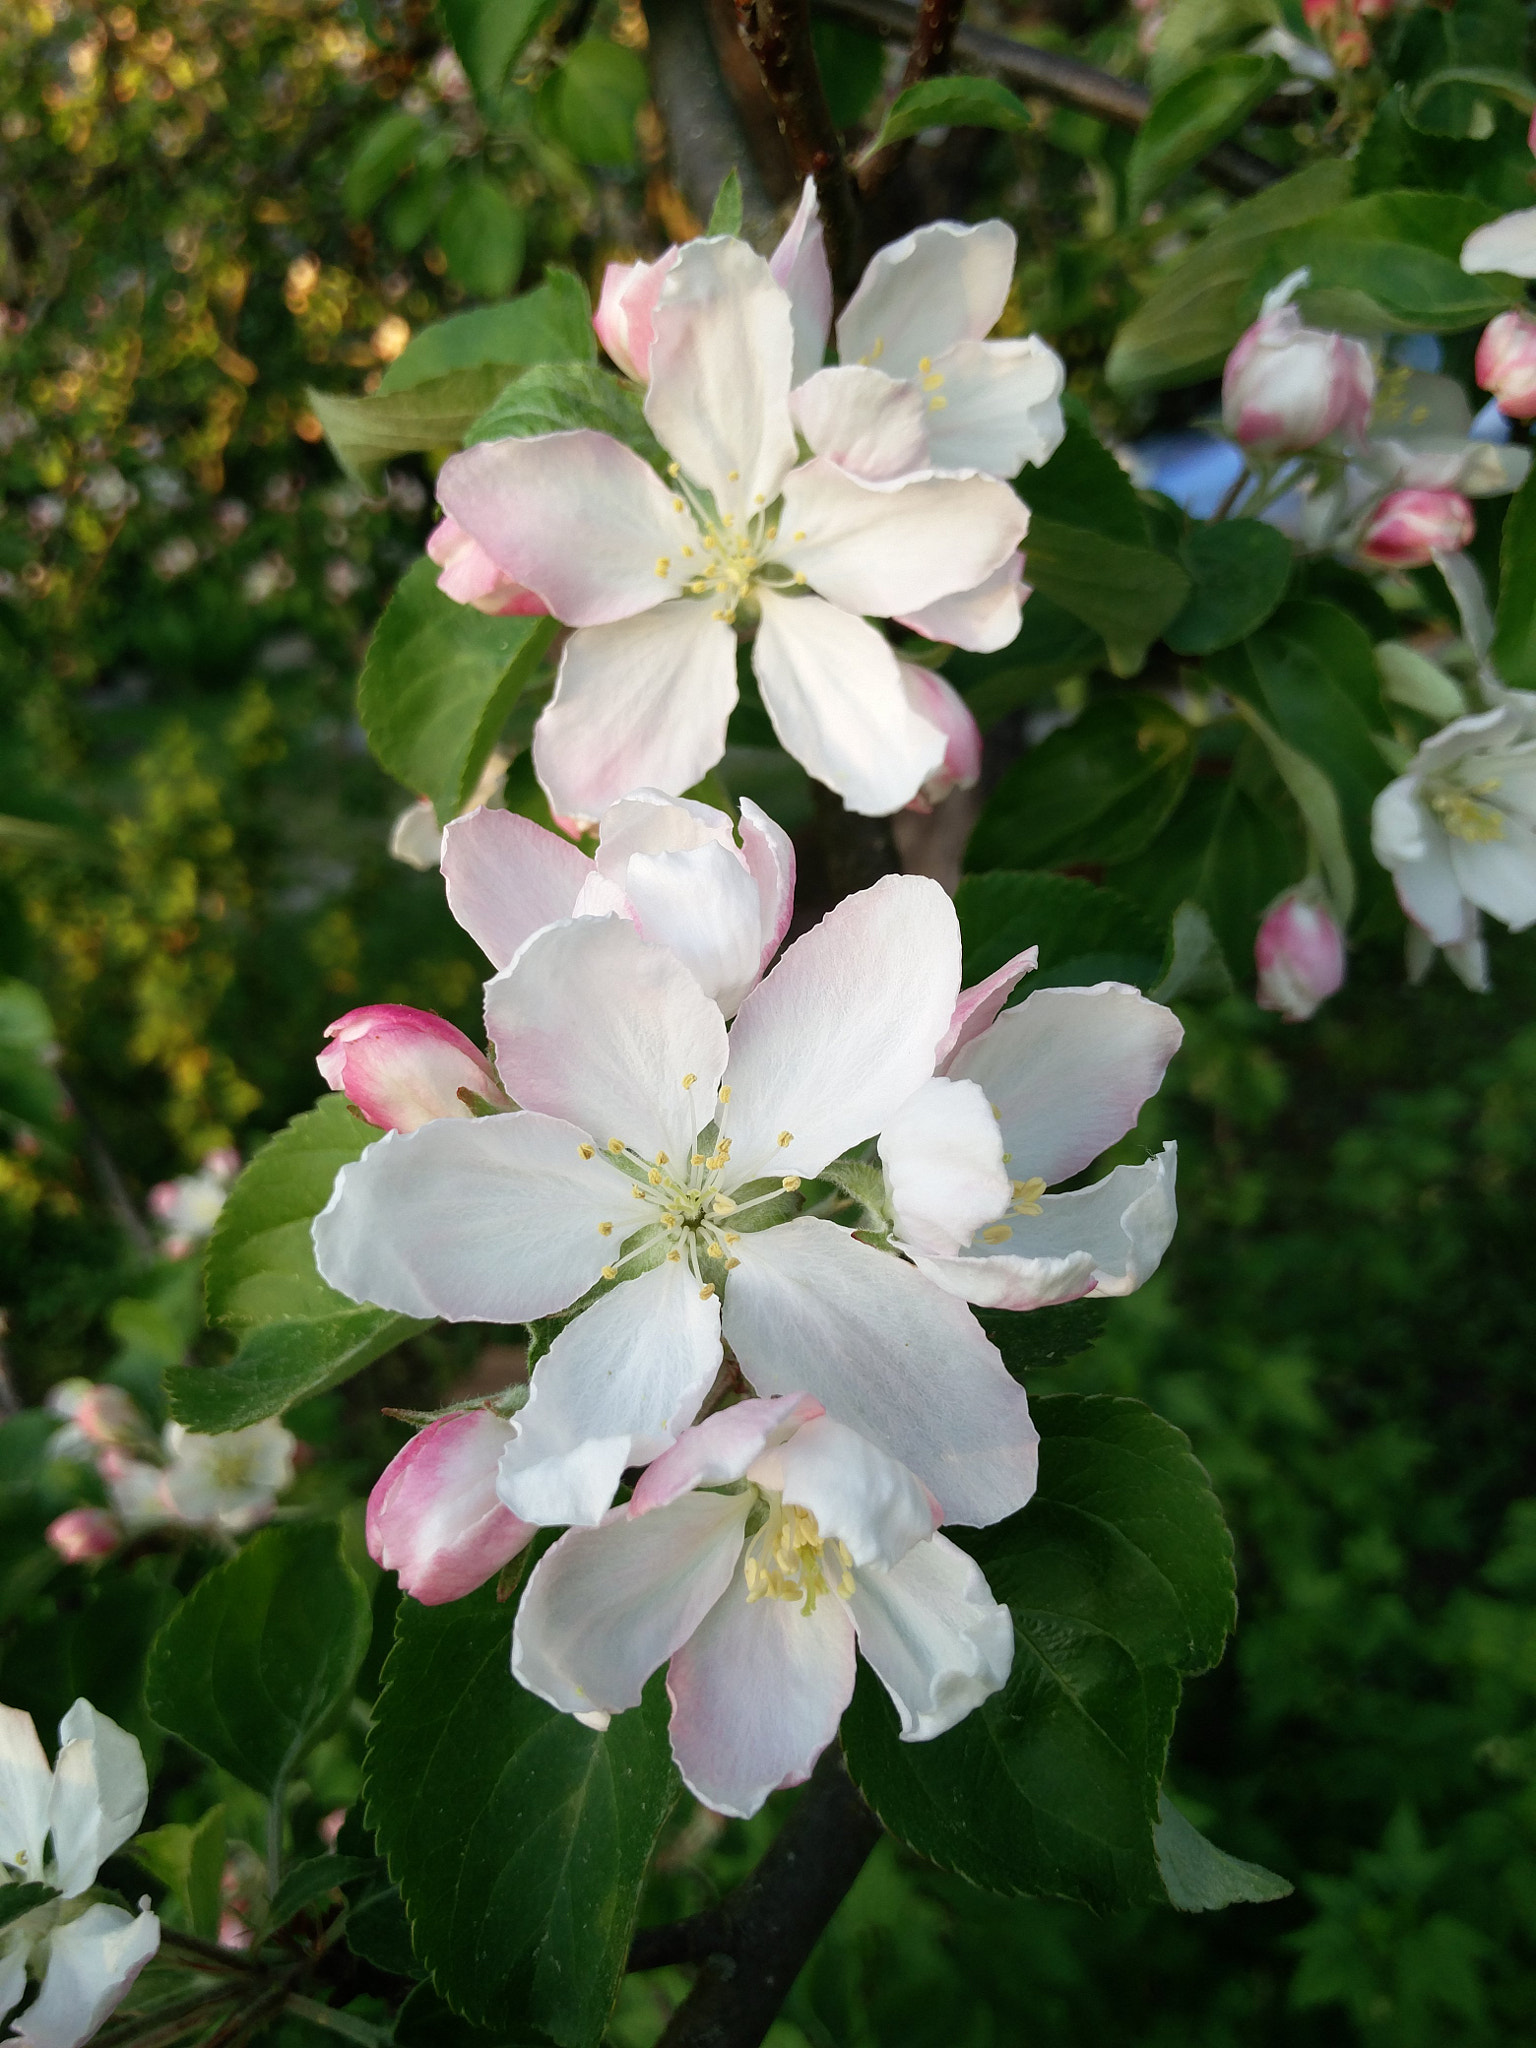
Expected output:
(1409, 528)
(404, 1068)
(1299, 954)
(626, 307)
(434, 1517)
(471, 576)
(1506, 363)
(1288, 386)
(83, 1535)
(942, 705)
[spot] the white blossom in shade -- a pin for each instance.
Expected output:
(1422, 439)
(1457, 832)
(1027, 1099)
(189, 1206)
(799, 265)
(1287, 386)
(57, 1827)
(402, 1067)
(919, 390)
(657, 575)
(227, 1483)
(653, 1152)
(751, 1559)
(434, 1518)
(671, 866)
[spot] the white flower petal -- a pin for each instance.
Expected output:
(933, 1634)
(832, 686)
(721, 364)
(99, 1795)
(721, 1447)
(92, 1961)
(491, 1220)
(649, 821)
(1001, 406)
(1508, 244)
(26, 1783)
(982, 620)
(1499, 875)
(980, 1004)
(613, 1390)
(1010, 1281)
(703, 906)
(769, 853)
(799, 265)
(757, 1693)
(922, 294)
(943, 1158)
(895, 1357)
(642, 702)
(842, 1031)
(594, 1025)
(507, 878)
(891, 551)
(1067, 1071)
(606, 1606)
(577, 517)
(860, 1496)
(870, 426)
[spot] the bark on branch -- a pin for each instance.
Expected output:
(933, 37)
(703, 127)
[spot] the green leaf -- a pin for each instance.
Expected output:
(377, 1929)
(386, 152)
(16, 1899)
(1317, 800)
(551, 398)
(314, 1879)
(1514, 639)
(1188, 120)
(1119, 1579)
(438, 683)
(1099, 789)
(1194, 968)
(488, 34)
(425, 2020)
(1447, 101)
(1083, 485)
(482, 234)
(1239, 569)
(725, 214)
(1084, 933)
(30, 1090)
(591, 101)
(1202, 304)
(1411, 678)
(366, 433)
(1391, 261)
(1129, 594)
(189, 1861)
(952, 103)
(519, 1839)
(1199, 1877)
(261, 1654)
(1043, 1336)
(550, 324)
(1050, 646)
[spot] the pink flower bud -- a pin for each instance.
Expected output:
(82, 1535)
(434, 1516)
(471, 577)
(625, 309)
(1506, 363)
(1287, 386)
(1409, 528)
(106, 1416)
(1351, 48)
(404, 1068)
(1299, 954)
(942, 705)
(1318, 13)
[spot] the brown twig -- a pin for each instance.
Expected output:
(682, 1941)
(933, 38)
(209, 1951)
(778, 33)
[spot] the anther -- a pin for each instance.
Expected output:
(653, 1175)
(786, 1138)
(924, 364)
(638, 1193)
(677, 506)
(673, 1257)
(790, 1182)
(997, 1233)
(586, 1151)
(799, 575)
(733, 1237)
(731, 1265)
(674, 469)
(723, 1206)
(801, 534)
(689, 1079)
(661, 1158)
(605, 1230)
(615, 1144)
(610, 1272)
(725, 1094)
(706, 1292)
(663, 566)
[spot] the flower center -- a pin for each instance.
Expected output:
(1026, 1202)
(789, 1558)
(1465, 816)
(731, 557)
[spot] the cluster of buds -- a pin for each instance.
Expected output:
(1340, 26)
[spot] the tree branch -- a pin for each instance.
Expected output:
(776, 1917)
(933, 38)
(693, 1940)
(778, 33)
(703, 129)
(1067, 79)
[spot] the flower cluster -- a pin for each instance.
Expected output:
(670, 1201)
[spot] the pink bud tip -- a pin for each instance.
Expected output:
(434, 1516)
(1299, 954)
(1506, 363)
(942, 705)
(471, 576)
(404, 1068)
(1409, 528)
(83, 1535)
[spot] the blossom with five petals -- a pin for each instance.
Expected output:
(57, 1827)
(657, 576)
(753, 1555)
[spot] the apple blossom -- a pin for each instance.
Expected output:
(1457, 832)
(943, 704)
(656, 576)
(1506, 363)
(403, 1067)
(1409, 528)
(1299, 954)
(434, 1518)
(192, 1204)
(471, 577)
(83, 1535)
(1423, 438)
(226, 1483)
(652, 1151)
(57, 1827)
(94, 1417)
(668, 864)
(1286, 386)
(751, 1559)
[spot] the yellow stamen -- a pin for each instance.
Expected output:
(706, 1292)
(790, 1182)
(586, 1151)
(605, 1230)
(786, 1138)
(689, 1079)
(615, 1144)
(610, 1272)
(997, 1233)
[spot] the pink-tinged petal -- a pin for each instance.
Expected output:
(942, 705)
(471, 577)
(981, 1004)
(92, 1963)
(934, 1636)
(769, 853)
(606, 1606)
(594, 1025)
(626, 307)
(757, 1693)
(1001, 407)
(1010, 1281)
(860, 1497)
(614, 1390)
(577, 517)
(83, 1535)
(489, 1221)
(703, 906)
(642, 703)
(507, 878)
(832, 687)
(922, 294)
(404, 1068)
(1067, 1072)
(888, 1353)
(720, 1448)
(99, 1794)
(720, 372)
(799, 267)
(1299, 955)
(1507, 245)
(837, 1037)
(650, 821)
(983, 620)
(868, 425)
(433, 1515)
(943, 1158)
(26, 1783)
(897, 550)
